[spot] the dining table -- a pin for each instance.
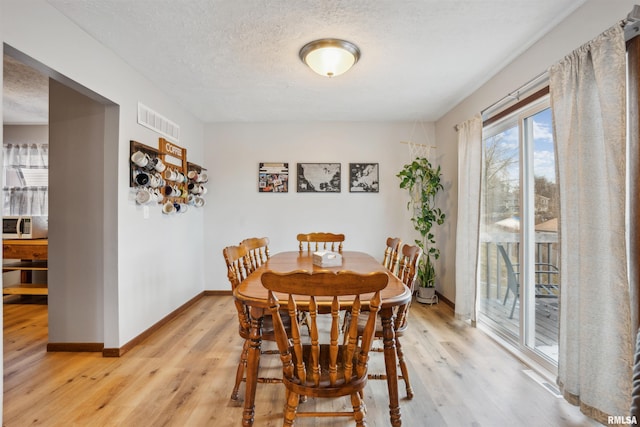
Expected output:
(255, 296)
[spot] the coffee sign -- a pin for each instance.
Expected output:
(172, 150)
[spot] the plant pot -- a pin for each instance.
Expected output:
(426, 295)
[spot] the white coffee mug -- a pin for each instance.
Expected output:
(143, 196)
(160, 166)
(155, 195)
(168, 208)
(170, 175)
(193, 175)
(203, 177)
(139, 158)
(154, 181)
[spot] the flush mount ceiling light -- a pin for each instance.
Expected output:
(330, 57)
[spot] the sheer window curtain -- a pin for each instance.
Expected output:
(467, 232)
(633, 158)
(633, 176)
(588, 94)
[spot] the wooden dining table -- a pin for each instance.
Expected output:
(251, 292)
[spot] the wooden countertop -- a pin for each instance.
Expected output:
(36, 249)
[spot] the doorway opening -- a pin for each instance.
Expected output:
(82, 141)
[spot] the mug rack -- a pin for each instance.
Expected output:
(177, 182)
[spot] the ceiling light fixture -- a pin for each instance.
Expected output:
(330, 57)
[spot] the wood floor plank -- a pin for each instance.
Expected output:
(182, 375)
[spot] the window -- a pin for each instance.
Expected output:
(26, 179)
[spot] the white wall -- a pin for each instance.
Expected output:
(152, 265)
(236, 210)
(584, 24)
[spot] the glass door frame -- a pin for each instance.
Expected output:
(524, 343)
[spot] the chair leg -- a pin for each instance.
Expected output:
(364, 405)
(290, 409)
(358, 410)
(403, 369)
(513, 307)
(240, 372)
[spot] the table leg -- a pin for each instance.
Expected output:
(390, 362)
(253, 363)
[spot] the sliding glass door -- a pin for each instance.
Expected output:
(518, 295)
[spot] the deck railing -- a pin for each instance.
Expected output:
(493, 274)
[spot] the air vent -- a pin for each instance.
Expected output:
(551, 388)
(154, 121)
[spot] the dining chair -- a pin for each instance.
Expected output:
(320, 241)
(322, 367)
(315, 242)
(258, 252)
(407, 271)
(391, 254)
(235, 257)
(390, 261)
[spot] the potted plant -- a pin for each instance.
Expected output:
(423, 182)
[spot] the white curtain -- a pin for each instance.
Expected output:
(467, 232)
(596, 336)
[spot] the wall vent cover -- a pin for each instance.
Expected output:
(157, 122)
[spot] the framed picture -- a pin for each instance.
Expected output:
(273, 178)
(364, 177)
(319, 177)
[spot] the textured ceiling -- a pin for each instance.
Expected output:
(25, 94)
(237, 60)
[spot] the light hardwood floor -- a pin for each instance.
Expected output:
(183, 375)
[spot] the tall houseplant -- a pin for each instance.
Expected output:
(423, 182)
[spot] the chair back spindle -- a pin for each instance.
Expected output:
(391, 254)
(234, 257)
(258, 252)
(407, 272)
(320, 241)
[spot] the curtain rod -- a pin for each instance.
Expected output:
(516, 93)
(631, 27)
(511, 95)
